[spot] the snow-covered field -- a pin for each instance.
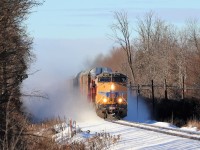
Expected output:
(135, 138)
(129, 138)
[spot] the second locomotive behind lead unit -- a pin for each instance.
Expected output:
(107, 90)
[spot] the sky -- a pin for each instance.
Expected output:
(85, 19)
(67, 34)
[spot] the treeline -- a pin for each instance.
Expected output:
(158, 51)
(15, 57)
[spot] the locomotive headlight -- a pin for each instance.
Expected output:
(120, 100)
(105, 100)
(112, 87)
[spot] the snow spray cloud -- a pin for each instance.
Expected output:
(63, 102)
(138, 109)
(58, 59)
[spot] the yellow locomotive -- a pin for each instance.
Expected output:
(107, 90)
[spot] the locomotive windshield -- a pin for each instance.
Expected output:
(116, 77)
(119, 79)
(104, 79)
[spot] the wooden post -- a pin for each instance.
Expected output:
(152, 90)
(138, 93)
(172, 119)
(165, 89)
(138, 89)
(183, 88)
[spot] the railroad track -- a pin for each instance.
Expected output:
(165, 130)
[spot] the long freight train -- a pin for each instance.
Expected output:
(107, 90)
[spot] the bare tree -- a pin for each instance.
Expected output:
(194, 34)
(15, 56)
(192, 46)
(122, 36)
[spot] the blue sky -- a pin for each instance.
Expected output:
(75, 19)
(69, 33)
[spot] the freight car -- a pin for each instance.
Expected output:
(105, 89)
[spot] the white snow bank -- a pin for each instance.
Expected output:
(161, 124)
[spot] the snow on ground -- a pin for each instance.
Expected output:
(161, 124)
(135, 138)
(131, 138)
(168, 125)
(194, 129)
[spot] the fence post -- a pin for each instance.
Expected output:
(138, 93)
(183, 89)
(152, 90)
(165, 89)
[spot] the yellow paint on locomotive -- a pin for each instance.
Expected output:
(111, 93)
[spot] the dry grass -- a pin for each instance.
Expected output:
(43, 138)
(193, 123)
(102, 140)
(44, 129)
(41, 135)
